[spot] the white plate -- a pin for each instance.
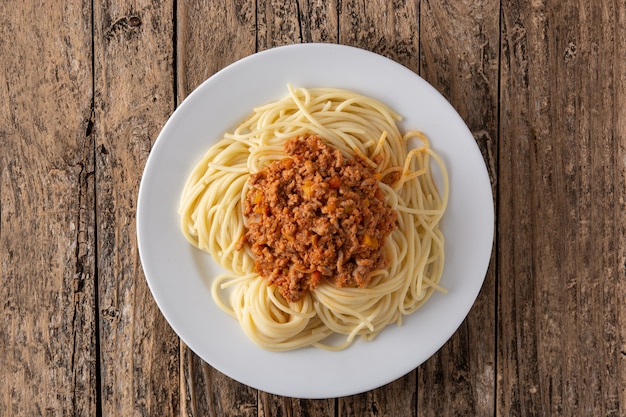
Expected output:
(179, 275)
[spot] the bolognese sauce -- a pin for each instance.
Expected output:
(316, 215)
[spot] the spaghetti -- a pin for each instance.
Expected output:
(212, 219)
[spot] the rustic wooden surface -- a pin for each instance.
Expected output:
(86, 87)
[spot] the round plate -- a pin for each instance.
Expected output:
(179, 275)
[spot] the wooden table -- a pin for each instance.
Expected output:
(87, 86)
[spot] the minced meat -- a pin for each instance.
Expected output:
(316, 215)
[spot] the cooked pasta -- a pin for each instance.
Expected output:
(212, 219)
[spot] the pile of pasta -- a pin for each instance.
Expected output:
(211, 212)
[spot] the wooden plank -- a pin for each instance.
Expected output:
(211, 393)
(459, 57)
(134, 95)
(277, 406)
(600, 75)
(319, 21)
(398, 398)
(562, 210)
(387, 28)
(47, 241)
(614, 326)
(515, 256)
(210, 36)
(304, 21)
(278, 23)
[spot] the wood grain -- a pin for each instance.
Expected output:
(387, 28)
(614, 321)
(460, 51)
(398, 398)
(561, 210)
(47, 242)
(208, 392)
(278, 23)
(133, 50)
(281, 23)
(209, 36)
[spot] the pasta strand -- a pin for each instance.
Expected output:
(211, 213)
